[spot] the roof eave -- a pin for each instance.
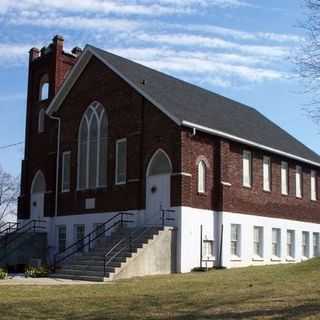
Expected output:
(247, 142)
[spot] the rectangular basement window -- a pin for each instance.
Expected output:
(235, 238)
(276, 244)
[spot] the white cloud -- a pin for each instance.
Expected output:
(220, 68)
(236, 34)
(212, 42)
(13, 51)
(78, 23)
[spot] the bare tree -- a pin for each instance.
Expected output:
(308, 58)
(9, 191)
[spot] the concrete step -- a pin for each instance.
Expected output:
(77, 277)
(83, 267)
(81, 272)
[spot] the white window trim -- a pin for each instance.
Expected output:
(307, 233)
(267, 160)
(293, 257)
(62, 175)
(284, 166)
(299, 182)
(117, 182)
(313, 185)
(249, 154)
(236, 257)
(278, 243)
(202, 188)
(93, 107)
(260, 256)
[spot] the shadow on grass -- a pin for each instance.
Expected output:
(297, 312)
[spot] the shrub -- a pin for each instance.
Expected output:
(3, 274)
(33, 272)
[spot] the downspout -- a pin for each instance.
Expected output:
(57, 164)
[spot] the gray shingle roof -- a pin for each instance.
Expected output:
(187, 102)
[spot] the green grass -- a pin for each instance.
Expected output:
(272, 292)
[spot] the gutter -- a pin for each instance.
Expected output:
(246, 142)
(57, 164)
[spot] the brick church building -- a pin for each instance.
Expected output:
(106, 135)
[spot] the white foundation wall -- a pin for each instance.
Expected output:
(247, 223)
(188, 222)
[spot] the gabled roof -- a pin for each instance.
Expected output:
(192, 106)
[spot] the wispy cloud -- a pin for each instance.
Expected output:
(122, 7)
(212, 42)
(220, 68)
(234, 33)
(78, 23)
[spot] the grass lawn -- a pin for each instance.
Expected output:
(272, 292)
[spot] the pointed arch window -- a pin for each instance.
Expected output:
(92, 148)
(202, 177)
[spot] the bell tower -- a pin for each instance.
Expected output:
(48, 68)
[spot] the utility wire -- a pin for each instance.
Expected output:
(11, 145)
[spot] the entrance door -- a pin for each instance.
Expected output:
(158, 187)
(38, 189)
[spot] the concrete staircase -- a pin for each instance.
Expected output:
(130, 254)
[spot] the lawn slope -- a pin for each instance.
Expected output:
(272, 292)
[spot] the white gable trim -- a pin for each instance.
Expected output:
(76, 72)
(246, 142)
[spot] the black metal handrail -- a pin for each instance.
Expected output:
(8, 227)
(130, 240)
(164, 216)
(32, 226)
(87, 240)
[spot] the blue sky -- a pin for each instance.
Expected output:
(239, 48)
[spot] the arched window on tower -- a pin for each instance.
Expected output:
(44, 88)
(41, 121)
(92, 148)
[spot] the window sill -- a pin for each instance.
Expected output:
(267, 191)
(275, 258)
(304, 258)
(235, 258)
(257, 258)
(202, 194)
(120, 183)
(290, 259)
(247, 187)
(65, 191)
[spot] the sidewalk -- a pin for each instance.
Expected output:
(19, 279)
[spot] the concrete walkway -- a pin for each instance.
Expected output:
(20, 279)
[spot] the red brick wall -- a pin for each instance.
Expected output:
(40, 148)
(256, 201)
(129, 116)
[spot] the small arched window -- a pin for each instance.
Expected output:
(44, 88)
(92, 148)
(202, 177)
(41, 121)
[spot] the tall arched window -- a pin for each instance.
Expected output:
(202, 177)
(41, 119)
(44, 88)
(92, 148)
